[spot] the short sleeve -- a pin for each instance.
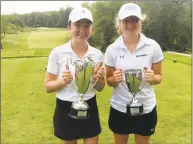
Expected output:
(53, 66)
(157, 54)
(108, 58)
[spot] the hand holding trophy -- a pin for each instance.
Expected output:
(118, 75)
(67, 75)
(99, 72)
(83, 74)
(148, 74)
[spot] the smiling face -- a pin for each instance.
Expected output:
(130, 24)
(80, 30)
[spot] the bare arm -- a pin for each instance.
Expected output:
(100, 84)
(113, 76)
(157, 68)
(52, 84)
(154, 75)
(99, 73)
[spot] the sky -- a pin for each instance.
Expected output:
(20, 7)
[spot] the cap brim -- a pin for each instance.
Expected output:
(128, 15)
(77, 19)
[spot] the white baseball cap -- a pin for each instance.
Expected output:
(80, 13)
(129, 9)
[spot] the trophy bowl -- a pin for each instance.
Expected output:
(133, 79)
(84, 72)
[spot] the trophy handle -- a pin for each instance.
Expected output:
(124, 79)
(144, 82)
(142, 86)
(98, 66)
(95, 82)
(69, 66)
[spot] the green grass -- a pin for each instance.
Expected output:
(47, 39)
(25, 53)
(179, 58)
(17, 53)
(27, 110)
(38, 42)
(15, 41)
(42, 52)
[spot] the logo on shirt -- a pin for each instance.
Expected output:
(142, 55)
(121, 56)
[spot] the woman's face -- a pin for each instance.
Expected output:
(130, 24)
(81, 30)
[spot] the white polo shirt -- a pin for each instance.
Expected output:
(118, 56)
(57, 64)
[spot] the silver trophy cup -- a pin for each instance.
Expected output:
(84, 72)
(133, 79)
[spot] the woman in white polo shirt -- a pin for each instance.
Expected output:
(59, 78)
(132, 50)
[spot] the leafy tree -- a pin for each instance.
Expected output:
(168, 22)
(104, 14)
(7, 27)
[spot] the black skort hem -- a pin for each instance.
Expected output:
(122, 123)
(67, 128)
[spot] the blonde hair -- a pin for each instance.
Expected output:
(117, 23)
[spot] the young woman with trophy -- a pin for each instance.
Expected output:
(74, 71)
(133, 66)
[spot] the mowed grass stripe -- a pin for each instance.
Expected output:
(34, 43)
(47, 39)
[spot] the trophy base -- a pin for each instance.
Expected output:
(135, 110)
(78, 114)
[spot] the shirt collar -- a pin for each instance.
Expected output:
(142, 41)
(68, 49)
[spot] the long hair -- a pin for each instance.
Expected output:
(117, 23)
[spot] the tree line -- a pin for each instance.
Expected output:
(168, 22)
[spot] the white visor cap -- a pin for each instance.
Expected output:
(80, 13)
(129, 9)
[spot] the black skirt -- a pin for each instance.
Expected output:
(122, 123)
(67, 128)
